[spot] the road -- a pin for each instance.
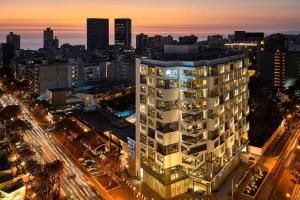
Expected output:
(270, 186)
(47, 151)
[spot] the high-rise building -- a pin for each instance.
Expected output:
(243, 36)
(191, 122)
(250, 42)
(48, 37)
(215, 41)
(13, 39)
(188, 40)
(141, 43)
(123, 32)
(50, 42)
(7, 54)
(280, 60)
(97, 33)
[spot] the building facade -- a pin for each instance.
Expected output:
(280, 60)
(97, 33)
(191, 122)
(123, 32)
(14, 39)
(50, 42)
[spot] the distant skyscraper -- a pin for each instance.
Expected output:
(141, 43)
(97, 33)
(123, 32)
(49, 40)
(13, 39)
(7, 53)
(191, 39)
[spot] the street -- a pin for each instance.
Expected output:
(47, 151)
(268, 191)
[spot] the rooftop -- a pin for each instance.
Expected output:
(101, 122)
(13, 187)
(60, 89)
(6, 177)
(191, 56)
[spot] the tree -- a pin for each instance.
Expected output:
(18, 125)
(26, 153)
(67, 124)
(47, 181)
(10, 112)
(54, 170)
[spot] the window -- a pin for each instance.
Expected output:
(143, 79)
(160, 158)
(160, 72)
(159, 136)
(143, 139)
(197, 149)
(166, 150)
(143, 69)
(151, 70)
(151, 133)
(143, 89)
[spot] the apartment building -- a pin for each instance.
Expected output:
(191, 122)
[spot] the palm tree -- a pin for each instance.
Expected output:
(54, 171)
(26, 153)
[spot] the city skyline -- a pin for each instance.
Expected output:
(200, 18)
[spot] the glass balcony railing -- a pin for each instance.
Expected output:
(166, 128)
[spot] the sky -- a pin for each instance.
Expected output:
(28, 18)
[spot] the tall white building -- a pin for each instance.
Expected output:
(191, 121)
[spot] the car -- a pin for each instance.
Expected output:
(86, 162)
(71, 176)
(91, 169)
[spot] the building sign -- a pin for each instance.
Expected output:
(171, 73)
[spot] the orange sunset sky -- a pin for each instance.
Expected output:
(177, 17)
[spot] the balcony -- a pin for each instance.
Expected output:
(193, 107)
(190, 118)
(166, 176)
(166, 84)
(166, 128)
(166, 105)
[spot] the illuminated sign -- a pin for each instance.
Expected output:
(171, 73)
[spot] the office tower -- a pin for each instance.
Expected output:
(168, 40)
(188, 40)
(48, 38)
(156, 42)
(215, 41)
(141, 43)
(123, 32)
(13, 39)
(50, 42)
(97, 33)
(55, 42)
(191, 122)
(7, 54)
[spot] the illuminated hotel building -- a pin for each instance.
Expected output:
(191, 121)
